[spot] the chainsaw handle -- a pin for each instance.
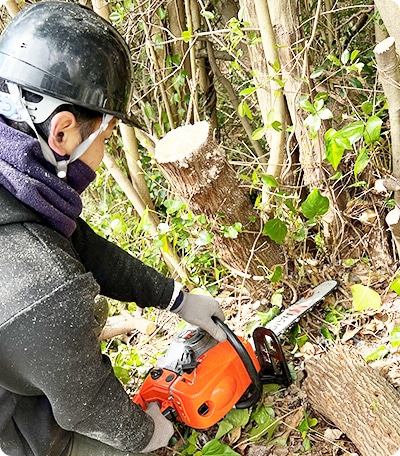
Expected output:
(247, 361)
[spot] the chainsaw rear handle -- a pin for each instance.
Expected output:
(248, 363)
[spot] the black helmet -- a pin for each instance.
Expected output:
(67, 51)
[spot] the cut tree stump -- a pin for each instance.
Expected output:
(343, 388)
(198, 171)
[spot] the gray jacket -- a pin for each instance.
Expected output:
(54, 379)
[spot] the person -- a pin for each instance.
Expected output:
(65, 80)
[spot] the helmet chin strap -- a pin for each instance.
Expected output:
(23, 111)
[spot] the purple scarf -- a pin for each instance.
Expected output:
(31, 179)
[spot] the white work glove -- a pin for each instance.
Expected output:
(163, 429)
(198, 309)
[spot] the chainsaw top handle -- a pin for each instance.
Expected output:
(248, 363)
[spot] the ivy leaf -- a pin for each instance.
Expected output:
(372, 131)
(315, 205)
(365, 298)
(335, 146)
(352, 132)
(276, 230)
(215, 448)
(361, 162)
(233, 419)
(265, 423)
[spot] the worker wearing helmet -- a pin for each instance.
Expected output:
(65, 79)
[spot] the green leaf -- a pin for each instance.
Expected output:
(364, 298)
(244, 110)
(361, 162)
(248, 91)
(232, 232)
(307, 423)
(233, 419)
(345, 57)
(204, 238)
(268, 315)
(148, 110)
(224, 427)
(258, 133)
(335, 147)
(215, 448)
(352, 132)
(122, 374)
(186, 35)
(395, 285)
(207, 14)
(377, 354)
(325, 113)
(367, 108)
(269, 180)
(313, 122)
(373, 128)
(173, 206)
(277, 275)
(354, 55)
(315, 205)
(306, 104)
(395, 337)
(266, 423)
(276, 230)
(307, 444)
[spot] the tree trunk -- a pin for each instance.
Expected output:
(389, 71)
(357, 399)
(196, 167)
(285, 21)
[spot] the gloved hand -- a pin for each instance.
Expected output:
(198, 309)
(163, 429)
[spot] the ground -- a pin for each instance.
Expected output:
(367, 331)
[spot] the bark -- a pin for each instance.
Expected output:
(126, 323)
(234, 100)
(357, 399)
(285, 21)
(277, 101)
(130, 143)
(389, 71)
(170, 257)
(102, 9)
(389, 11)
(12, 7)
(197, 169)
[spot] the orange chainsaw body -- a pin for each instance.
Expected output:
(201, 396)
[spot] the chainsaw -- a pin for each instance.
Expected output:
(199, 380)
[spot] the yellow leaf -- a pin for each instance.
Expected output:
(365, 298)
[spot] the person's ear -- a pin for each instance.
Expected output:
(64, 133)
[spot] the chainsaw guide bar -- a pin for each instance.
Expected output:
(293, 313)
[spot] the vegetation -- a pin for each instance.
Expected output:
(294, 96)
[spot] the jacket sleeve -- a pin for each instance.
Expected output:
(119, 274)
